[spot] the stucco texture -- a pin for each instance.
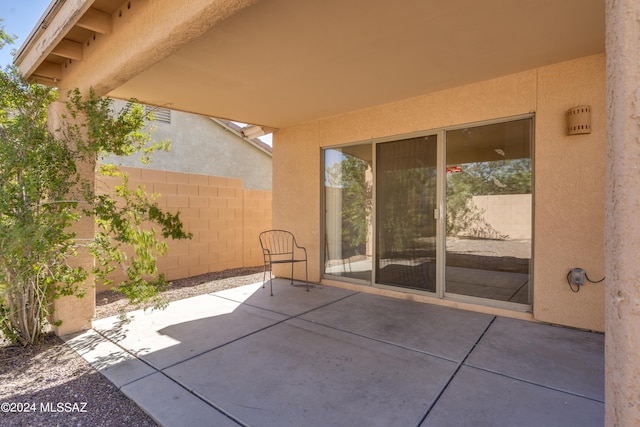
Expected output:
(568, 179)
(200, 145)
(622, 340)
(75, 313)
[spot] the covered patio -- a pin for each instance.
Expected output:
(332, 356)
(342, 75)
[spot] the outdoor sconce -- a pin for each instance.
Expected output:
(579, 120)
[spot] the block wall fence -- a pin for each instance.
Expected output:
(224, 218)
(508, 214)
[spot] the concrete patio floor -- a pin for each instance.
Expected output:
(333, 357)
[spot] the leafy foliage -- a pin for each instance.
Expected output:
(43, 194)
(4, 37)
(350, 175)
(512, 176)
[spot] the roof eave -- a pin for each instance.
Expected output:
(52, 27)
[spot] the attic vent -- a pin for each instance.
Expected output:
(162, 115)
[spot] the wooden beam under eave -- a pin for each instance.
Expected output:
(68, 49)
(44, 81)
(96, 21)
(48, 73)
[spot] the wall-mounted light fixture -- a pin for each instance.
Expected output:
(579, 120)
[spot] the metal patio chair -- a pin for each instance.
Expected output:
(280, 247)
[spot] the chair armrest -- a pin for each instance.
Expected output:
(300, 247)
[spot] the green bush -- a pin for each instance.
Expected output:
(42, 195)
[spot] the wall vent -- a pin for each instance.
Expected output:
(162, 115)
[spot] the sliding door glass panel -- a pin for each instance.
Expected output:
(489, 211)
(405, 200)
(348, 182)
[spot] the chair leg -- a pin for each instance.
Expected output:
(270, 280)
(264, 276)
(306, 274)
(291, 273)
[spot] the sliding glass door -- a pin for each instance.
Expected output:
(406, 187)
(489, 211)
(448, 212)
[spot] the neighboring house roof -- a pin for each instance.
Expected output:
(203, 145)
(237, 130)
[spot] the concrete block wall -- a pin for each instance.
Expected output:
(224, 218)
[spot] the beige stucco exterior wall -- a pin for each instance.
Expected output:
(569, 171)
(569, 198)
(622, 227)
(76, 313)
(224, 218)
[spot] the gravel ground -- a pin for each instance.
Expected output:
(50, 385)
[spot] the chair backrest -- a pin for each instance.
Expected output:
(277, 242)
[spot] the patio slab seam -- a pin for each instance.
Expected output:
(124, 349)
(174, 381)
(537, 384)
(380, 340)
(220, 294)
(289, 317)
(156, 369)
(227, 343)
(210, 403)
(285, 314)
(518, 290)
(455, 372)
(192, 398)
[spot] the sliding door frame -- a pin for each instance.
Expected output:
(439, 214)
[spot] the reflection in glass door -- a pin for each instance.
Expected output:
(489, 211)
(405, 201)
(348, 186)
(380, 214)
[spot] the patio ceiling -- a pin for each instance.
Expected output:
(281, 62)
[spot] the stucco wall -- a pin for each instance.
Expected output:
(622, 228)
(75, 313)
(202, 146)
(570, 198)
(224, 217)
(569, 171)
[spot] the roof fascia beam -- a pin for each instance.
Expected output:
(49, 31)
(68, 49)
(96, 21)
(49, 71)
(167, 25)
